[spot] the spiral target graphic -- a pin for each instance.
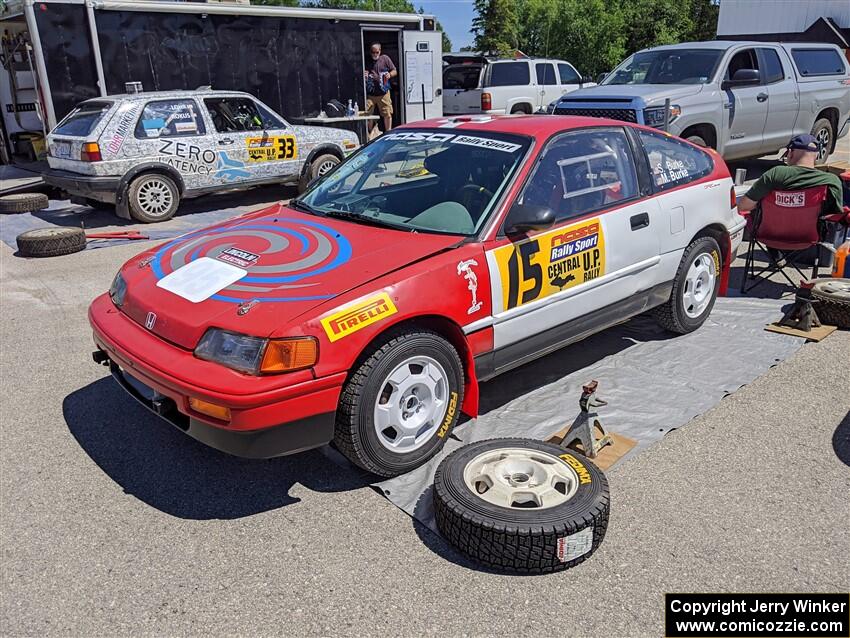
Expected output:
(291, 252)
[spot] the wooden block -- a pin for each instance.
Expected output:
(815, 334)
(608, 455)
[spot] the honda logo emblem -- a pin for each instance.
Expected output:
(150, 321)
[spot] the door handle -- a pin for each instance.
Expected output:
(225, 141)
(639, 221)
(761, 97)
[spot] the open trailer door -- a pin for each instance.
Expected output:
(422, 75)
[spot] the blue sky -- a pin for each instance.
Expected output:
(454, 15)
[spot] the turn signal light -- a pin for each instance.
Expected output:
(90, 152)
(733, 198)
(287, 355)
(486, 101)
(220, 412)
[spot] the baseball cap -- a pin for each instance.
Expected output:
(804, 143)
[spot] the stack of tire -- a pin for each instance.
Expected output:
(832, 297)
(522, 506)
(42, 242)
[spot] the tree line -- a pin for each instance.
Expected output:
(594, 35)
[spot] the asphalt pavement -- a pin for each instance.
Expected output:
(114, 523)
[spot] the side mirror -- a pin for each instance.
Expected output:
(742, 77)
(601, 77)
(524, 217)
(587, 79)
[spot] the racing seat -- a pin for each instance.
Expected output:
(784, 224)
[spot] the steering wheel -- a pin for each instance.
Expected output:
(475, 190)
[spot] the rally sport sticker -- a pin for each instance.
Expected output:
(359, 315)
(550, 262)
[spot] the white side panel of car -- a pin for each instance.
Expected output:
(631, 258)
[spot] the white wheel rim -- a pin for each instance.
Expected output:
(411, 404)
(823, 141)
(699, 285)
(154, 197)
(325, 166)
(518, 478)
(839, 289)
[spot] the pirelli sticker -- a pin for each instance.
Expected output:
(359, 315)
(270, 149)
(550, 262)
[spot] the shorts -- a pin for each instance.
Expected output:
(383, 103)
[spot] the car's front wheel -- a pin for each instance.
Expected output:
(320, 166)
(401, 403)
(153, 197)
(694, 288)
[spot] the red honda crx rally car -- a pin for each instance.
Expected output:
(367, 311)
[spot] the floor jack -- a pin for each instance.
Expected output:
(582, 429)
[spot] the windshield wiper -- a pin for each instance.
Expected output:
(304, 207)
(357, 217)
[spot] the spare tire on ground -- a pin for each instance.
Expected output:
(833, 297)
(521, 505)
(23, 202)
(50, 242)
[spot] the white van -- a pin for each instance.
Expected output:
(524, 85)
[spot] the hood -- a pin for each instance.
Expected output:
(291, 263)
(649, 93)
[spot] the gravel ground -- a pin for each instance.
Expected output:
(114, 523)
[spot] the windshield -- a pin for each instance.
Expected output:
(428, 181)
(666, 66)
(461, 76)
(82, 120)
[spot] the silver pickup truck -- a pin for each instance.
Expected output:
(744, 99)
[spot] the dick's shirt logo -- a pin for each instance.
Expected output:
(150, 321)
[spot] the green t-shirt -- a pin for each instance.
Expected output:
(792, 178)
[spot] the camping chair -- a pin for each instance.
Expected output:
(785, 224)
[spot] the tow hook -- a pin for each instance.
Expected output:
(99, 356)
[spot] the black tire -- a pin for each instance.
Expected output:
(23, 202)
(50, 242)
(520, 108)
(823, 132)
(318, 167)
(355, 433)
(698, 140)
(833, 297)
(672, 315)
(522, 539)
(153, 197)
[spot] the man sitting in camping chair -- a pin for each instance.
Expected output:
(791, 205)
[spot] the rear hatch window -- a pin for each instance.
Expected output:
(462, 76)
(811, 62)
(507, 74)
(82, 120)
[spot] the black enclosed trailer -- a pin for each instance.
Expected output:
(294, 59)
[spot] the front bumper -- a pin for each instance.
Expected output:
(268, 417)
(89, 186)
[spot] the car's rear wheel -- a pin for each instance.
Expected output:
(153, 197)
(694, 288)
(822, 132)
(401, 403)
(320, 166)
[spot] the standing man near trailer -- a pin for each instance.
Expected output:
(378, 73)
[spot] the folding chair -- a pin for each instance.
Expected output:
(785, 224)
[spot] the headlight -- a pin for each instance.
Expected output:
(118, 289)
(655, 116)
(255, 355)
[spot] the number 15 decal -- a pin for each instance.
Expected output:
(551, 262)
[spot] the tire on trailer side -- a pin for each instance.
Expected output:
(401, 403)
(543, 531)
(320, 165)
(695, 288)
(51, 242)
(153, 197)
(23, 202)
(833, 296)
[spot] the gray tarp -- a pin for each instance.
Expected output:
(654, 382)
